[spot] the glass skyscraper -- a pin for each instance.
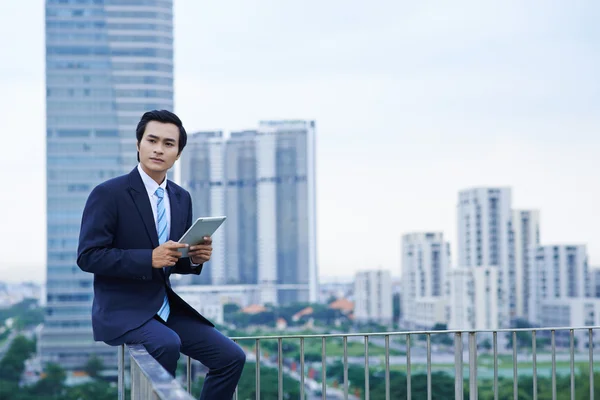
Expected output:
(107, 62)
(287, 270)
(202, 175)
(242, 200)
(264, 180)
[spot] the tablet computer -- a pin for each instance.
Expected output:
(203, 226)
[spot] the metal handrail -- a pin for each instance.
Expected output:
(402, 333)
(149, 380)
(470, 336)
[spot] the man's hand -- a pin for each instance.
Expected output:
(200, 253)
(167, 254)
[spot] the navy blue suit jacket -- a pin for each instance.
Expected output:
(118, 234)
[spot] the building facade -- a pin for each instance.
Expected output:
(473, 298)
(460, 292)
(373, 297)
(241, 208)
(264, 182)
(286, 211)
(486, 238)
(202, 174)
(526, 225)
(425, 263)
(107, 62)
(558, 272)
(595, 282)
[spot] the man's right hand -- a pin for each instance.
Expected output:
(167, 254)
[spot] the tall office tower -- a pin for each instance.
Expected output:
(558, 273)
(373, 298)
(485, 238)
(202, 174)
(286, 216)
(526, 226)
(425, 263)
(107, 61)
(241, 208)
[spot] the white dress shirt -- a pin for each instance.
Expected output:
(151, 187)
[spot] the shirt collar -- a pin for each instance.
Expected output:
(150, 183)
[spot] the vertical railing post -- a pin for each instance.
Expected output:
(572, 359)
(135, 382)
(429, 394)
(323, 369)
(591, 363)
(495, 347)
(458, 366)
(387, 367)
(346, 389)
(553, 346)
(472, 366)
(257, 377)
(534, 356)
(302, 368)
(515, 366)
(408, 372)
(367, 384)
(280, 368)
(121, 371)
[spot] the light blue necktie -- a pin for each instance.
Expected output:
(161, 213)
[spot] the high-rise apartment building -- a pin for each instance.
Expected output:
(425, 263)
(473, 299)
(526, 226)
(558, 273)
(107, 62)
(373, 299)
(486, 238)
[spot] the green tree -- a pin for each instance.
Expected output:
(52, 384)
(268, 384)
(97, 390)
(93, 366)
(13, 362)
(230, 308)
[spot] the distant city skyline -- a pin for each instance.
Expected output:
(414, 103)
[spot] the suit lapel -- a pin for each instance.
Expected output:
(142, 202)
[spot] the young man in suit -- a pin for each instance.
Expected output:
(126, 241)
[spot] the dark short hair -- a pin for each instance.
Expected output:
(163, 116)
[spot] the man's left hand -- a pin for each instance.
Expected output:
(200, 253)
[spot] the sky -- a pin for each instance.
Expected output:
(413, 102)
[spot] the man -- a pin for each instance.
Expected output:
(126, 241)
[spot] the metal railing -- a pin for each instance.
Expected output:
(149, 380)
(559, 337)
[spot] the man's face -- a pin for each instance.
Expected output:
(159, 147)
